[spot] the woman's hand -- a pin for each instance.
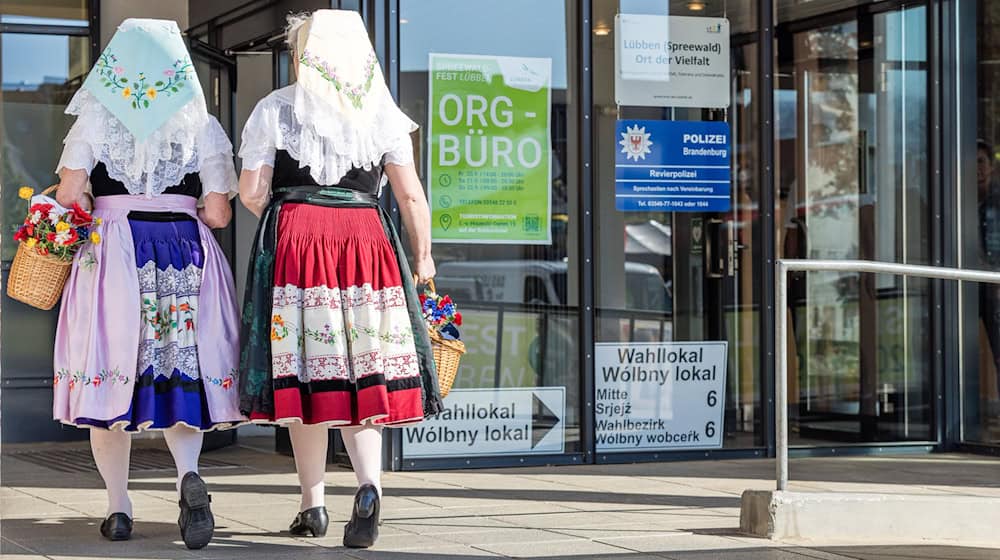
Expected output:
(424, 270)
(72, 184)
(217, 211)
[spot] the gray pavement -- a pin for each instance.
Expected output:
(51, 506)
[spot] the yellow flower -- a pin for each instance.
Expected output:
(31, 242)
(151, 93)
(98, 221)
(127, 92)
(25, 192)
(61, 227)
(95, 237)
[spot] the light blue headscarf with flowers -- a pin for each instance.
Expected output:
(145, 75)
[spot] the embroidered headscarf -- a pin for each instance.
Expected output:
(141, 111)
(342, 114)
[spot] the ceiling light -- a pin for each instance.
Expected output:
(696, 6)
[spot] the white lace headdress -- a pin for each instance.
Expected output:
(142, 113)
(340, 114)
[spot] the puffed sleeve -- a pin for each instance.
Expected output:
(258, 144)
(215, 165)
(401, 152)
(77, 152)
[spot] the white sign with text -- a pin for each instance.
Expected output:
(688, 67)
(511, 421)
(642, 47)
(660, 396)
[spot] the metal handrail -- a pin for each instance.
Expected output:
(783, 267)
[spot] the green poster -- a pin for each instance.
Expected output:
(489, 149)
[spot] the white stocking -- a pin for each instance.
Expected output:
(364, 446)
(185, 445)
(309, 443)
(111, 454)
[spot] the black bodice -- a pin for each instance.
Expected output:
(287, 173)
(103, 185)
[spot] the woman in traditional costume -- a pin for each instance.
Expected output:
(332, 331)
(148, 334)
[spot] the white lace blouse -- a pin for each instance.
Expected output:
(328, 146)
(191, 142)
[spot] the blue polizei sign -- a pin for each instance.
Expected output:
(672, 166)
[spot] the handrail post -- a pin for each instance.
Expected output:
(781, 312)
(781, 374)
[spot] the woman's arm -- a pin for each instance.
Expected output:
(217, 212)
(72, 184)
(409, 194)
(255, 188)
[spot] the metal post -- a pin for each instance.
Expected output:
(781, 374)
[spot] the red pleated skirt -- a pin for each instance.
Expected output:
(342, 348)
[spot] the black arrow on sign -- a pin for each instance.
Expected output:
(542, 421)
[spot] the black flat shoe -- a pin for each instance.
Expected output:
(313, 520)
(117, 527)
(362, 530)
(196, 521)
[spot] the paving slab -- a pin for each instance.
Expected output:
(680, 511)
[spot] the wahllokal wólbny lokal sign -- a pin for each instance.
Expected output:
(660, 396)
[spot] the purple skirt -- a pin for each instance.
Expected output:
(168, 387)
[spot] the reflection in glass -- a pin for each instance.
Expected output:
(50, 12)
(520, 303)
(40, 73)
(852, 184)
(981, 372)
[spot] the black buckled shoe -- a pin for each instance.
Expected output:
(196, 521)
(362, 530)
(117, 527)
(313, 520)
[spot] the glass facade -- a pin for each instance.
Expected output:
(979, 228)
(520, 300)
(871, 133)
(852, 183)
(45, 52)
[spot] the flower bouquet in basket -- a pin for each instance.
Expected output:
(48, 240)
(443, 319)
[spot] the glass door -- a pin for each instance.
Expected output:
(682, 281)
(852, 152)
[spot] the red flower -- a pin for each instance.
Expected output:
(458, 319)
(79, 216)
(71, 238)
(446, 300)
(227, 382)
(43, 251)
(43, 208)
(21, 234)
(96, 382)
(423, 298)
(30, 229)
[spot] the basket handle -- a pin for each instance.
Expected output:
(430, 283)
(55, 188)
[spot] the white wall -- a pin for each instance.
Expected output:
(113, 12)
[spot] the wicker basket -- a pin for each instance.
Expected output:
(35, 279)
(447, 354)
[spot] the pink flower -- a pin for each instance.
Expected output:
(169, 73)
(119, 70)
